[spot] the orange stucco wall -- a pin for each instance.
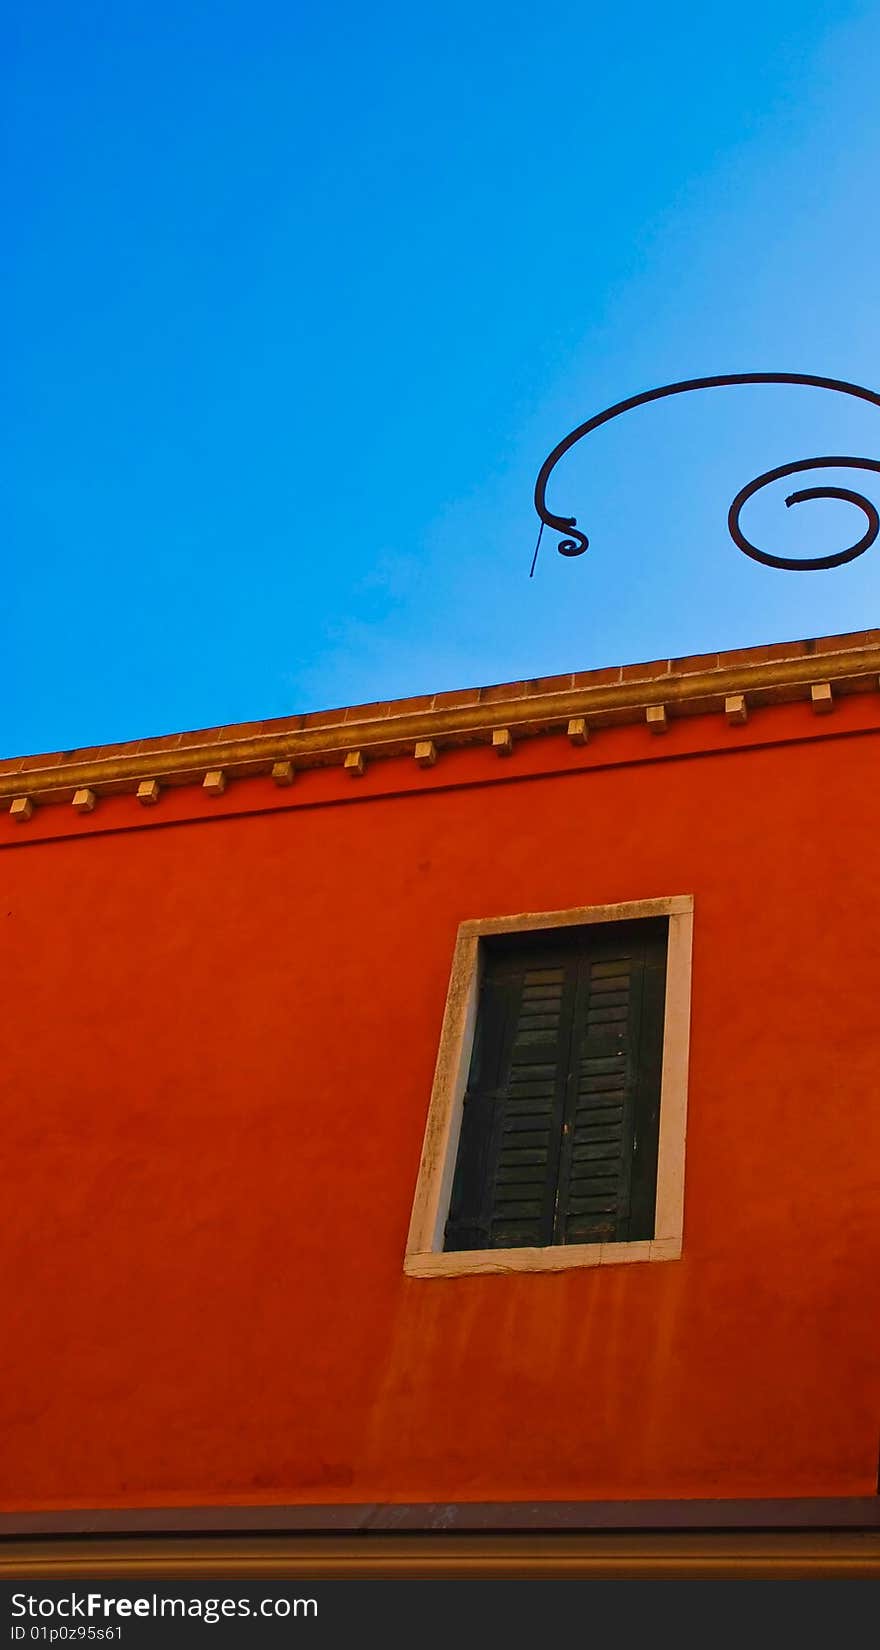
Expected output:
(219, 1041)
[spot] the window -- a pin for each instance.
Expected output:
(561, 1115)
(555, 1135)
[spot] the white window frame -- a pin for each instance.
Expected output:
(425, 1255)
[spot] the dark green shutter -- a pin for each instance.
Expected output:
(559, 1131)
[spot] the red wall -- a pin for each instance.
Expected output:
(218, 1058)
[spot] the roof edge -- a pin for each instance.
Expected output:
(763, 675)
(765, 1513)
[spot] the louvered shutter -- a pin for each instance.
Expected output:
(608, 1162)
(559, 1129)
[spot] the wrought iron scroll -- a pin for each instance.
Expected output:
(575, 542)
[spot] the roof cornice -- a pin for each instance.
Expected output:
(602, 698)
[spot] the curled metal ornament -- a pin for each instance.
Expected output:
(574, 543)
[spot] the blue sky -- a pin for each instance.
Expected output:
(296, 300)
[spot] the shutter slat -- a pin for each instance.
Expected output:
(596, 1230)
(519, 1235)
(518, 1211)
(593, 1152)
(612, 1015)
(525, 1174)
(528, 1124)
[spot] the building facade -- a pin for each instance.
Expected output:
(247, 977)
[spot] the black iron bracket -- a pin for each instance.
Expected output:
(575, 542)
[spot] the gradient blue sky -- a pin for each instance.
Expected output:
(296, 300)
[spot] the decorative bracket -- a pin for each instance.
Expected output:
(575, 542)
